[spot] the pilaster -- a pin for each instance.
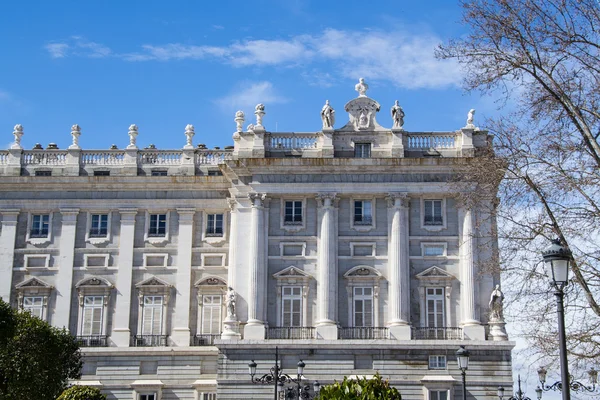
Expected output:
(467, 148)
(72, 162)
(64, 278)
(121, 332)
(327, 267)
(397, 150)
(258, 147)
(181, 330)
(7, 251)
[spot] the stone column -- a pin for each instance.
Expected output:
(181, 327)
(255, 328)
(64, 278)
(472, 327)
(398, 266)
(7, 251)
(327, 268)
(121, 332)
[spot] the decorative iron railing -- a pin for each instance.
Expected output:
(445, 333)
(205, 339)
(91, 341)
(363, 333)
(149, 341)
(300, 332)
(431, 141)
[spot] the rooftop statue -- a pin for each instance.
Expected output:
(361, 87)
(470, 117)
(328, 115)
(397, 116)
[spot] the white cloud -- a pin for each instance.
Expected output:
(268, 52)
(57, 50)
(249, 94)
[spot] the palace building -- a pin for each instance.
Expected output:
(347, 248)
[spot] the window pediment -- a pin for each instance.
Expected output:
(435, 274)
(292, 273)
(153, 282)
(35, 284)
(94, 282)
(363, 272)
(210, 281)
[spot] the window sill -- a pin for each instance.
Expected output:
(157, 240)
(98, 240)
(38, 241)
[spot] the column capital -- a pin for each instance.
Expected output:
(186, 215)
(9, 216)
(232, 203)
(326, 199)
(128, 215)
(69, 215)
(398, 200)
(257, 199)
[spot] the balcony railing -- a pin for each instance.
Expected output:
(445, 333)
(205, 339)
(91, 341)
(291, 141)
(149, 341)
(365, 333)
(304, 332)
(432, 140)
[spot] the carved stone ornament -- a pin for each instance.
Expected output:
(230, 301)
(327, 115)
(133, 132)
(189, 134)
(18, 133)
(257, 199)
(259, 112)
(497, 305)
(361, 87)
(397, 116)
(470, 118)
(361, 112)
(213, 281)
(75, 133)
(398, 200)
(326, 199)
(239, 120)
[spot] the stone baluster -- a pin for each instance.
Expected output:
(327, 268)
(255, 328)
(8, 235)
(64, 278)
(398, 266)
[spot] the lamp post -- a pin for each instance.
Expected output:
(573, 385)
(462, 356)
(277, 378)
(520, 395)
(557, 258)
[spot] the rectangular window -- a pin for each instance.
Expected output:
(158, 172)
(152, 315)
(43, 173)
(40, 224)
(35, 305)
(362, 150)
(99, 225)
(363, 306)
(215, 173)
(151, 396)
(93, 308)
(363, 214)
(291, 306)
(437, 362)
(214, 225)
(438, 395)
(435, 307)
(101, 173)
(209, 396)
(293, 212)
(158, 225)
(433, 250)
(211, 314)
(433, 212)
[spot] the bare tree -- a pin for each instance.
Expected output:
(544, 56)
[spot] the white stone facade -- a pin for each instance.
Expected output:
(345, 247)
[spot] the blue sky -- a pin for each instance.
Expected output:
(162, 65)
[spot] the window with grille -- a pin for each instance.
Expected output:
(437, 362)
(158, 172)
(40, 225)
(214, 225)
(93, 308)
(438, 395)
(433, 212)
(362, 150)
(43, 173)
(363, 306)
(293, 212)
(291, 306)
(435, 307)
(35, 305)
(152, 315)
(158, 225)
(211, 314)
(363, 212)
(99, 225)
(101, 173)
(148, 396)
(209, 396)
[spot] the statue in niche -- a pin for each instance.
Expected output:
(361, 87)
(363, 118)
(328, 115)
(470, 117)
(397, 115)
(231, 295)
(496, 304)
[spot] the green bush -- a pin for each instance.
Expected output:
(360, 389)
(81, 393)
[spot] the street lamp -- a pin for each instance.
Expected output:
(574, 385)
(557, 259)
(277, 378)
(462, 356)
(520, 395)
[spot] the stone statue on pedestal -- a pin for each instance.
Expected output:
(231, 296)
(328, 115)
(496, 305)
(397, 116)
(361, 87)
(470, 117)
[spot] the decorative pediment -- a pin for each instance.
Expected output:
(435, 273)
(94, 281)
(151, 282)
(292, 272)
(363, 272)
(210, 281)
(33, 283)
